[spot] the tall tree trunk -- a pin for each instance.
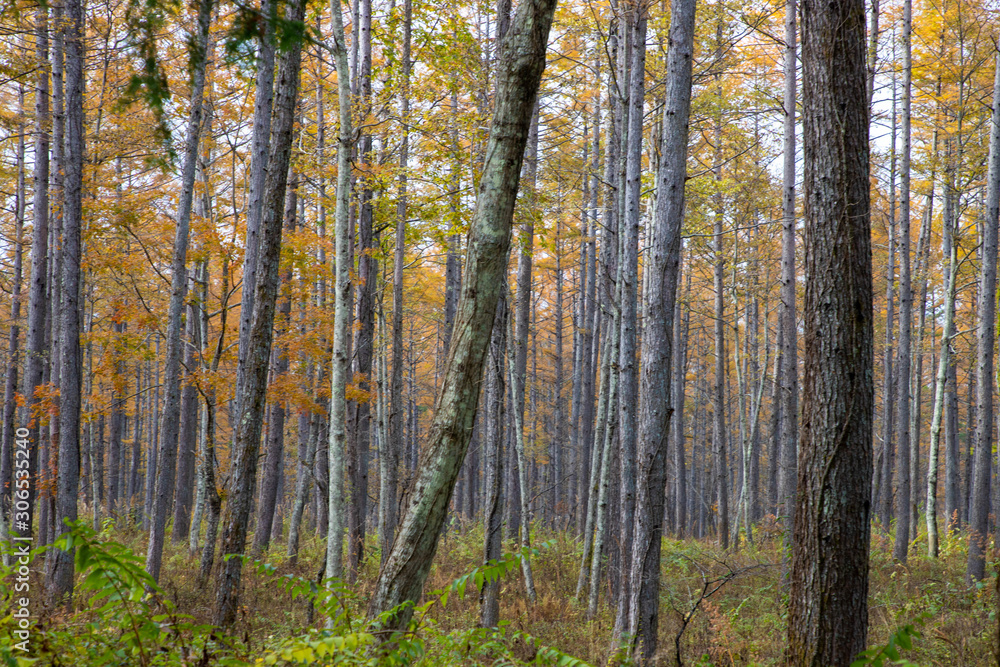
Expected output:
(828, 608)
(489, 597)
(655, 401)
(252, 394)
(170, 421)
(628, 270)
(883, 465)
(788, 347)
(950, 248)
(979, 501)
(14, 344)
(904, 377)
(36, 344)
(517, 439)
(276, 426)
(187, 444)
(522, 61)
(718, 392)
(61, 574)
(259, 151)
(342, 312)
(388, 504)
(359, 411)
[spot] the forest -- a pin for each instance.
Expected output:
(395, 332)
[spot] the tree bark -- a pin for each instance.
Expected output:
(342, 313)
(828, 608)
(388, 508)
(904, 377)
(170, 420)
(522, 61)
(252, 393)
(489, 597)
(979, 501)
(655, 401)
(61, 574)
(37, 306)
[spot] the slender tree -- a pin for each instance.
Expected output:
(979, 500)
(252, 393)
(655, 401)
(519, 73)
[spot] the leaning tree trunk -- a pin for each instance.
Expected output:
(655, 404)
(522, 61)
(828, 608)
(170, 422)
(979, 501)
(252, 393)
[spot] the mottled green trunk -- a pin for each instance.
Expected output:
(521, 63)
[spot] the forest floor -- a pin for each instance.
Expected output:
(734, 602)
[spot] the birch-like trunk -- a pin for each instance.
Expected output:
(979, 495)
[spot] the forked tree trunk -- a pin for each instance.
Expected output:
(522, 61)
(828, 608)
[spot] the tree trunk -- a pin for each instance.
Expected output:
(342, 313)
(359, 411)
(276, 426)
(489, 597)
(251, 395)
(788, 348)
(170, 421)
(37, 305)
(388, 507)
(522, 61)
(904, 377)
(950, 248)
(61, 574)
(828, 608)
(979, 501)
(655, 402)
(14, 345)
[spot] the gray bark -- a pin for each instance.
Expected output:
(61, 573)
(252, 393)
(489, 597)
(904, 377)
(828, 607)
(979, 496)
(37, 306)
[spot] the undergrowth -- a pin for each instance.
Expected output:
(717, 608)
